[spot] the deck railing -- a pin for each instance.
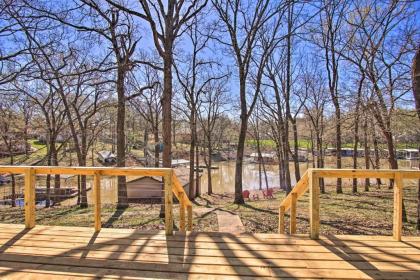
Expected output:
(172, 187)
(310, 181)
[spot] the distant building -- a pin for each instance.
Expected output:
(148, 187)
(409, 154)
(107, 157)
(265, 157)
(178, 162)
(217, 157)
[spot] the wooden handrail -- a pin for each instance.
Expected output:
(310, 181)
(184, 202)
(172, 187)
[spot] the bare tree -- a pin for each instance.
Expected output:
(10, 134)
(416, 90)
(115, 27)
(315, 104)
(148, 105)
(212, 120)
(194, 73)
(331, 24)
(167, 22)
(253, 34)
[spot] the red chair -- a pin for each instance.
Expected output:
(246, 194)
(268, 193)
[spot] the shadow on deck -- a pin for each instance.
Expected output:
(54, 252)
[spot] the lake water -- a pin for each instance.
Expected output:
(223, 179)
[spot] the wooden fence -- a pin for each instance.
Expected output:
(172, 187)
(310, 181)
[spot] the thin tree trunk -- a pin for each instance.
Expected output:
(122, 187)
(296, 150)
(259, 160)
(192, 158)
(339, 188)
(146, 142)
(366, 151)
(239, 199)
(209, 181)
(156, 137)
(197, 170)
(355, 146)
(13, 179)
(377, 157)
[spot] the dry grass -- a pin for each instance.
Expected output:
(361, 213)
(137, 216)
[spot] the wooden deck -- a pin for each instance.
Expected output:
(47, 252)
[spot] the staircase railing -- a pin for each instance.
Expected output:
(310, 181)
(172, 187)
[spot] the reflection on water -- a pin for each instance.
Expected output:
(108, 192)
(223, 179)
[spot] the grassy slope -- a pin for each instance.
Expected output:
(140, 216)
(361, 213)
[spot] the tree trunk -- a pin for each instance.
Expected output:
(377, 157)
(156, 137)
(197, 170)
(83, 192)
(192, 158)
(355, 146)
(78, 190)
(209, 163)
(259, 160)
(122, 186)
(167, 108)
(145, 143)
(366, 152)
(286, 163)
(239, 199)
(13, 179)
(296, 150)
(48, 181)
(339, 187)
(416, 91)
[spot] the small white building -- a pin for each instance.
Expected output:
(409, 154)
(107, 157)
(266, 157)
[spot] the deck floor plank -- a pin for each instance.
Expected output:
(78, 253)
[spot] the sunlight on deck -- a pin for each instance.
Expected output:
(55, 252)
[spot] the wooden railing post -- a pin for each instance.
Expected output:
(281, 220)
(189, 213)
(169, 222)
(293, 214)
(29, 197)
(97, 200)
(181, 212)
(398, 201)
(314, 204)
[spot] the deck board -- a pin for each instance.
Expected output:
(55, 252)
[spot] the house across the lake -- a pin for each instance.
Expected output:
(107, 157)
(265, 157)
(409, 154)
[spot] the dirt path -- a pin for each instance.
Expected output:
(229, 222)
